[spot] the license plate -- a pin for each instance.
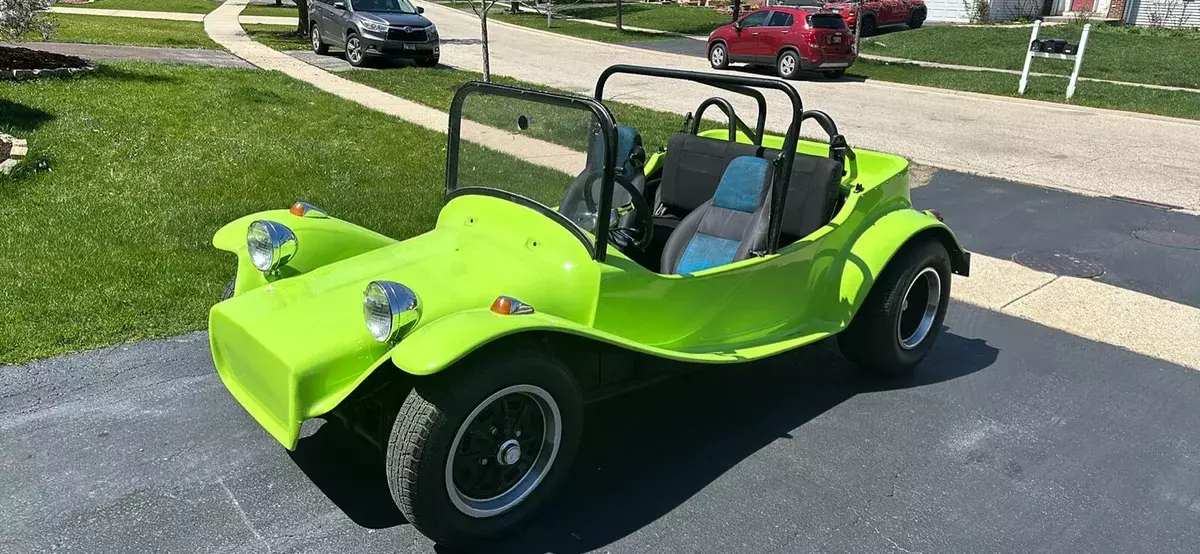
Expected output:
(835, 39)
(410, 47)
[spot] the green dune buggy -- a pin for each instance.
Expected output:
(466, 353)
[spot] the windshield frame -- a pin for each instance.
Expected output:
(608, 134)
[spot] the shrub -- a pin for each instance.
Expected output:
(18, 17)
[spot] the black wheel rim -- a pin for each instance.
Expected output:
(503, 450)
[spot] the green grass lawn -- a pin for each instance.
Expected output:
(178, 6)
(96, 29)
(147, 161)
(1131, 54)
(663, 17)
(279, 37)
(1052, 89)
(269, 10)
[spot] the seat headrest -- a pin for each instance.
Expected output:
(630, 155)
(743, 184)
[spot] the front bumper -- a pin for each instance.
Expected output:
(379, 45)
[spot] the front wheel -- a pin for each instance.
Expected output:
(902, 316)
(788, 65)
(431, 61)
(354, 50)
(318, 46)
(476, 450)
(869, 27)
(834, 74)
(718, 56)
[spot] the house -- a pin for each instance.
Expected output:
(1158, 13)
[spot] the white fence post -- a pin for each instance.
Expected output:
(1037, 25)
(1078, 60)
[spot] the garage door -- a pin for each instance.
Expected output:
(946, 10)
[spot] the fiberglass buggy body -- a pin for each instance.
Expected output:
(466, 352)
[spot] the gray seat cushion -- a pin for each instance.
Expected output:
(731, 226)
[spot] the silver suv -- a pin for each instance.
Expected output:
(389, 28)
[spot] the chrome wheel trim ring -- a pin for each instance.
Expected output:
(548, 452)
(933, 298)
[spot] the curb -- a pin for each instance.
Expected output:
(30, 74)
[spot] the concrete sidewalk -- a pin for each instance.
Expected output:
(1092, 151)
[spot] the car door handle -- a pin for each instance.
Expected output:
(783, 32)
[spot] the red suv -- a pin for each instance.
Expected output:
(791, 39)
(878, 13)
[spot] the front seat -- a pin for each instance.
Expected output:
(731, 226)
(631, 161)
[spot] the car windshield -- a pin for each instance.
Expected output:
(384, 6)
(547, 155)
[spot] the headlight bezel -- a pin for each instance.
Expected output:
(374, 26)
(274, 239)
(431, 32)
(390, 310)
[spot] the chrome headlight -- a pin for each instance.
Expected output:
(270, 245)
(390, 309)
(374, 26)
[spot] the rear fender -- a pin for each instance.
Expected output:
(320, 240)
(863, 263)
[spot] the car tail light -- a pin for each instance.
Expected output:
(507, 305)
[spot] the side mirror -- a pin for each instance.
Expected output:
(420, 9)
(737, 26)
(339, 5)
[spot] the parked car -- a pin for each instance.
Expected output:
(879, 13)
(366, 28)
(791, 39)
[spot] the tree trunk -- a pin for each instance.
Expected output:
(619, 28)
(737, 9)
(487, 64)
(302, 22)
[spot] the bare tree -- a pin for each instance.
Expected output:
(619, 27)
(481, 9)
(18, 17)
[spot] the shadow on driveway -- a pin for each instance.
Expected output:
(647, 452)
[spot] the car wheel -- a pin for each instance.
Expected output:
(476, 450)
(835, 74)
(788, 65)
(868, 27)
(354, 50)
(228, 292)
(431, 61)
(916, 19)
(718, 56)
(318, 46)
(902, 315)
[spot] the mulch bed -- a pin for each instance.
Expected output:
(25, 58)
(5, 148)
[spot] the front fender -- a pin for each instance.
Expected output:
(320, 240)
(864, 261)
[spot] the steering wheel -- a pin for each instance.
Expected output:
(623, 237)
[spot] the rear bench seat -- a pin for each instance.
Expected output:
(694, 165)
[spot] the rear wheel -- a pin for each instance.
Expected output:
(318, 45)
(718, 56)
(869, 26)
(834, 74)
(354, 50)
(902, 316)
(916, 19)
(477, 450)
(229, 288)
(788, 64)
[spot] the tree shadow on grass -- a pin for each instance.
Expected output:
(19, 119)
(647, 452)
